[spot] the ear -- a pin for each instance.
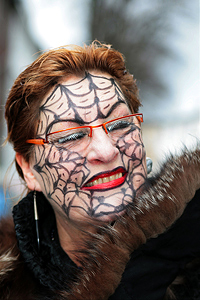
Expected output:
(29, 177)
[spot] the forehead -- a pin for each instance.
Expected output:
(85, 99)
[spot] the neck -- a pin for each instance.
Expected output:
(72, 237)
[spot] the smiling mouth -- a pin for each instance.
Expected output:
(105, 181)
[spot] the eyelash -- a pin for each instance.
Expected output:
(65, 139)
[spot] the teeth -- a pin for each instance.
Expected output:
(104, 179)
(99, 181)
(112, 177)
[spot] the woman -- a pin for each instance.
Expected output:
(73, 120)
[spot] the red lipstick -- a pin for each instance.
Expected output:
(105, 181)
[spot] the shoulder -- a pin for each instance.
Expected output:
(12, 270)
(9, 252)
(7, 234)
(8, 245)
(16, 281)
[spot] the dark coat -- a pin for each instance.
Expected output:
(139, 257)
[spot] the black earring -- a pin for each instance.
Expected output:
(149, 165)
(36, 220)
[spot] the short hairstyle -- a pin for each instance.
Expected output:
(31, 86)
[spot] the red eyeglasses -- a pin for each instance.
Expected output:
(79, 136)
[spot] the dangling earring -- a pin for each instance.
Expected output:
(36, 220)
(149, 164)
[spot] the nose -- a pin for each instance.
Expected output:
(101, 147)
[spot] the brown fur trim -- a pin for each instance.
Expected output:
(15, 281)
(9, 253)
(166, 200)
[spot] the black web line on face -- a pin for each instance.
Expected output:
(114, 208)
(133, 158)
(45, 108)
(54, 160)
(49, 171)
(67, 208)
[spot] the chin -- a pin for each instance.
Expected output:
(111, 217)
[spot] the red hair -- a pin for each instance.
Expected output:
(31, 86)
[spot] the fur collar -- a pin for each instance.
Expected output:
(155, 210)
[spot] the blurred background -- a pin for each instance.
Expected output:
(159, 39)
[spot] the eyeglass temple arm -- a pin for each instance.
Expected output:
(140, 118)
(36, 141)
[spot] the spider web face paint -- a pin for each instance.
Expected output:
(62, 172)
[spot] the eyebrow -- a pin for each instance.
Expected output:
(80, 122)
(115, 106)
(76, 120)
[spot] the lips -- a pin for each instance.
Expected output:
(105, 181)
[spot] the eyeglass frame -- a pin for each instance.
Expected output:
(40, 141)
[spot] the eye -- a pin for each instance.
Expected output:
(118, 125)
(71, 137)
(68, 136)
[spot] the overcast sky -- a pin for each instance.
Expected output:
(57, 23)
(61, 22)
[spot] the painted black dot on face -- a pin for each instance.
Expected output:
(63, 172)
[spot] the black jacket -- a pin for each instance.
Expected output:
(155, 265)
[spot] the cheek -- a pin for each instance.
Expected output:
(59, 168)
(138, 177)
(133, 157)
(131, 147)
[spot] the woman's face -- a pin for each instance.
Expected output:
(97, 179)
